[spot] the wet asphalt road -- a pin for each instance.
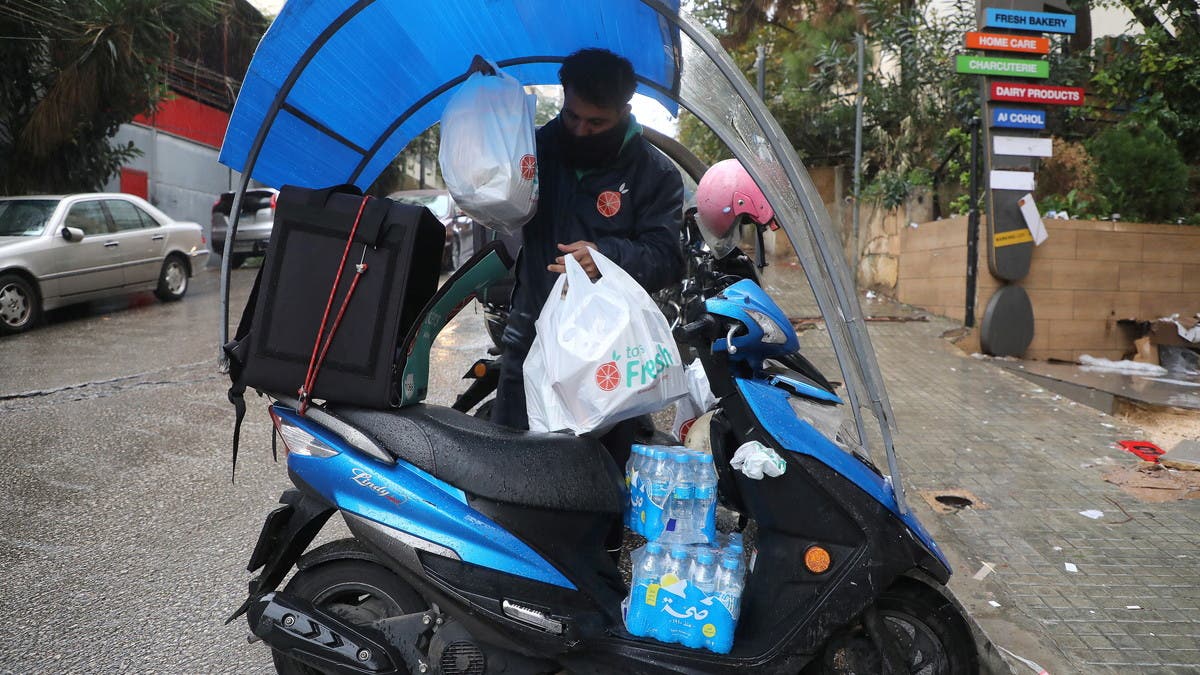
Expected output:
(123, 542)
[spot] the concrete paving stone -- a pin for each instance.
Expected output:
(1036, 460)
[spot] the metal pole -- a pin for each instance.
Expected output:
(973, 226)
(760, 67)
(858, 129)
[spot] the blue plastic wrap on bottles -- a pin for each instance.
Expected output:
(689, 595)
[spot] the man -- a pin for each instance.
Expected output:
(601, 185)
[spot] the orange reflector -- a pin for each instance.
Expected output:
(816, 559)
(480, 369)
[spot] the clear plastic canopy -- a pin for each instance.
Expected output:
(337, 89)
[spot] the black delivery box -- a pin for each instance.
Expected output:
(401, 246)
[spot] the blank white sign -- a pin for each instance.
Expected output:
(1022, 146)
(1012, 180)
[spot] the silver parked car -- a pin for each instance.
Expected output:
(60, 250)
(254, 225)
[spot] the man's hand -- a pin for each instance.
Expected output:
(581, 253)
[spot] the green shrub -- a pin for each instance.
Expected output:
(1140, 172)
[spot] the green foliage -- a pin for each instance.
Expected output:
(1140, 171)
(71, 73)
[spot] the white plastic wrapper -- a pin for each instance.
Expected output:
(699, 399)
(488, 154)
(756, 460)
(603, 353)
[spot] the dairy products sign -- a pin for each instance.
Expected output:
(994, 65)
(1036, 93)
(1028, 44)
(1041, 22)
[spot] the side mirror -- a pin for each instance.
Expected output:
(72, 234)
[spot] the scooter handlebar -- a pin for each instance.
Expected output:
(698, 332)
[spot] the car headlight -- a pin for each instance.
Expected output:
(773, 333)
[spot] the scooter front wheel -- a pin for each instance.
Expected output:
(355, 589)
(925, 629)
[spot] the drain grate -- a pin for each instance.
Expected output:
(951, 500)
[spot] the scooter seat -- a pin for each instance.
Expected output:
(554, 471)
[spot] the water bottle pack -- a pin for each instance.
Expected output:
(690, 595)
(672, 494)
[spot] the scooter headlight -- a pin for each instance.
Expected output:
(773, 333)
(298, 441)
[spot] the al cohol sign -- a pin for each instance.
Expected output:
(1008, 43)
(994, 65)
(1036, 93)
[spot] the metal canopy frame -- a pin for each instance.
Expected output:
(703, 73)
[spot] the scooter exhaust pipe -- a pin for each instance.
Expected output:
(302, 631)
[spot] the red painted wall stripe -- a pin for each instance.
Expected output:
(191, 119)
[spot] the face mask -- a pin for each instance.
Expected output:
(595, 151)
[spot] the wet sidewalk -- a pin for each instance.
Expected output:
(1118, 592)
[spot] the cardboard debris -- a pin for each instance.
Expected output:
(1185, 456)
(1155, 483)
(1147, 352)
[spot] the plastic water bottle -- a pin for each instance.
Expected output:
(703, 574)
(729, 585)
(706, 496)
(659, 493)
(647, 572)
(680, 509)
(677, 565)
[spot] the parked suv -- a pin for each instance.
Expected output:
(254, 227)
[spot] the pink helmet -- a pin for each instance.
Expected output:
(727, 193)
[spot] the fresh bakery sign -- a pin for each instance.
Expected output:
(1042, 22)
(1037, 93)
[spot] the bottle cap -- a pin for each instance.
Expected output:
(654, 548)
(659, 453)
(730, 563)
(679, 553)
(680, 457)
(637, 448)
(705, 557)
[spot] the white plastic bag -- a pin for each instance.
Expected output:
(756, 460)
(699, 399)
(603, 353)
(488, 154)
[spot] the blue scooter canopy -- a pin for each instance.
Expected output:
(337, 88)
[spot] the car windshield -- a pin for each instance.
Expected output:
(25, 217)
(438, 204)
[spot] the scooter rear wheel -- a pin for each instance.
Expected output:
(356, 590)
(925, 628)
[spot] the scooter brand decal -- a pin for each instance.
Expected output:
(528, 167)
(365, 479)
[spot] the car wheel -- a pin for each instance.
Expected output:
(20, 305)
(172, 280)
(236, 260)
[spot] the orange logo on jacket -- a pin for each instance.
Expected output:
(609, 201)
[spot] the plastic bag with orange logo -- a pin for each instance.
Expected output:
(603, 353)
(488, 154)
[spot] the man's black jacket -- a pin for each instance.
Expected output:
(632, 210)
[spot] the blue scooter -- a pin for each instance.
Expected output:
(478, 549)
